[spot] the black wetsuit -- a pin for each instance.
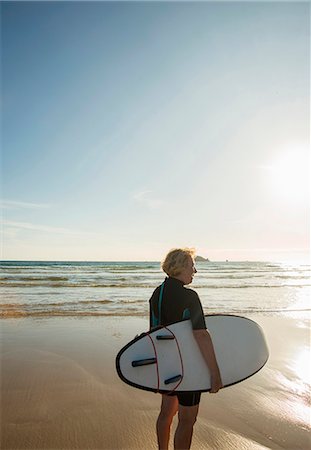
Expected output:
(178, 303)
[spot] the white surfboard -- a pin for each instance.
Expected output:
(168, 358)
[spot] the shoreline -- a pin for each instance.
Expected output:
(13, 314)
(60, 390)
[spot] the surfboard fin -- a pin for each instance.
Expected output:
(144, 362)
(173, 379)
(164, 337)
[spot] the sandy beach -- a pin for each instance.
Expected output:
(60, 390)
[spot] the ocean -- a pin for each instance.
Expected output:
(44, 289)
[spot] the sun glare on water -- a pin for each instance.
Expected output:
(302, 366)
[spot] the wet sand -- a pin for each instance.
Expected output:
(60, 390)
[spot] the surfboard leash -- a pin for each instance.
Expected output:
(181, 361)
(157, 365)
(156, 357)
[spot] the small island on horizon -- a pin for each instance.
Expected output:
(200, 258)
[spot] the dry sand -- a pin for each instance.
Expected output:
(60, 390)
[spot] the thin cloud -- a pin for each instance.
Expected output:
(147, 199)
(46, 229)
(12, 204)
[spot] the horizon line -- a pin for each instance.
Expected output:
(138, 261)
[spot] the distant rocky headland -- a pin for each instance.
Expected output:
(200, 258)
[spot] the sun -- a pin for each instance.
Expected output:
(287, 176)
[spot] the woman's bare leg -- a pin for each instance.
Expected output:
(169, 408)
(187, 416)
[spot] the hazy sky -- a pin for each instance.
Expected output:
(132, 128)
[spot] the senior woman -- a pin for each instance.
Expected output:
(170, 303)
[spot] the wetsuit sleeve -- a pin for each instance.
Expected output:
(196, 313)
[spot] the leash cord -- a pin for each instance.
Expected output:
(157, 364)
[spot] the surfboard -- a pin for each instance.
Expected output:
(169, 359)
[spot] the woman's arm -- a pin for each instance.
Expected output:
(204, 340)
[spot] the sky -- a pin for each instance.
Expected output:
(130, 128)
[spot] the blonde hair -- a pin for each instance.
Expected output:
(176, 260)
